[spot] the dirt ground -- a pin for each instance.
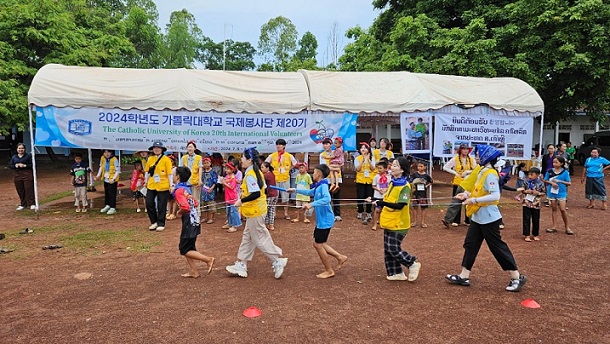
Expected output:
(136, 295)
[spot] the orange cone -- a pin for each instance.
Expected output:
(252, 312)
(530, 303)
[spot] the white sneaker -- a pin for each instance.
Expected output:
(33, 207)
(138, 210)
(111, 211)
(414, 271)
(153, 226)
(20, 208)
(105, 209)
(238, 269)
(160, 229)
(398, 277)
(338, 218)
(359, 216)
(278, 267)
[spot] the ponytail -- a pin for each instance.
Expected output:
(252, 154)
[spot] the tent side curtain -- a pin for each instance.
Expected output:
(396, 92)
(169, 89)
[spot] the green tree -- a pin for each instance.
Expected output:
(277, 43)
(142, 30)
(230, 54)
(308, 46)
(559, 47)
(183, 41)
(37, 32)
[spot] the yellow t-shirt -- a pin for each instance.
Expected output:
(366, 174)
(255, 208)
(159, 181)
(281, 169)
(396, 219)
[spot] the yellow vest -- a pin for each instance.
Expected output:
(468, 183)
(479, 191)
(459, 168)
(278, 166)
(255, 208)
(111, 169)
(396, 219)
(163, 170)
(360, 175)
(194, 171)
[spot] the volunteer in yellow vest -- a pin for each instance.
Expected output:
(110, 168)
(396, 221)
(253, 206)
(193, 161)
(481, 202)
(460, 166)
(364, 165)
(159, 182)
(383, 151)
(282, 162)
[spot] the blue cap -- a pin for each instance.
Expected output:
(487, 153)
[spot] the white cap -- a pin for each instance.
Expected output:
(501, 163)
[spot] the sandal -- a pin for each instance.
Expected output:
(171, 217)
(295, 220)
(286, 217)
(306, 221)
(603, 207)
(569, 232)
(423, 225)
(590, 206)
(551, 230)
(456, 279)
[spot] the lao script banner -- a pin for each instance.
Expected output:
(213, 132)
(512, 135)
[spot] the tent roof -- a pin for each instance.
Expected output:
(262, 92)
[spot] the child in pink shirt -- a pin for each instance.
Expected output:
(335, 164)
(231, 196)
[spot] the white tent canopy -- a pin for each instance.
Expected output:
(262, 92)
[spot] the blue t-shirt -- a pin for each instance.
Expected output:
(208, 179)
(325, 218)
(595, 166)
(562, 190)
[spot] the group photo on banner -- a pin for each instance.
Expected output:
(416, 133)
(212, 131)
(511, 135)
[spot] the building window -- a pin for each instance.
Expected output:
(604, 126)
(587, 127)
(549, 127)
(565, 127)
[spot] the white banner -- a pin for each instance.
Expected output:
(512, 135)
(415, 132)
(213, 132)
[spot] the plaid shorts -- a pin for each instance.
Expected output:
(270, 217)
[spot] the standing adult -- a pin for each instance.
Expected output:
(159, 181)
(364, 166)
(571, 153)
(24, 177)
(593, 173)
(383, 151)
(325, 157)
(282, 162)
(460, 166)
(482, 206)
(546, 165)
(109, 172)
(192, 160)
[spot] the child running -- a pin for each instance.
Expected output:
(303, 182)
(325, 219)
(272, 195)
(254, 207)
(230, 189)
(190, 223)
(421, 183)
(395, 221)
(137, 182)
(336, 163)
(79, 171)
(532, 190)
(559, 179)
(380, 186)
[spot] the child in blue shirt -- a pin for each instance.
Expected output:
(558, 180)
(325, 220)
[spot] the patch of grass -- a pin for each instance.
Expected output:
(105, 239)
(56, 196)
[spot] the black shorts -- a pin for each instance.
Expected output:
(320, 236)
(186, 245)
(377, 199)
(137, 194)
(420, 199)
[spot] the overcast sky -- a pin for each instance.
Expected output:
(242, 19)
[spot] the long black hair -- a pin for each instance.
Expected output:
(252, 154)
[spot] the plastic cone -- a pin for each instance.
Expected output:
(252, 312)
(530, 303)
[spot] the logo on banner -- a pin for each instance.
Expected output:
(79, 127)
(319, 134)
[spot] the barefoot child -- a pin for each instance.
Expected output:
(137, 182)
(79, 171)
(303, 182)
(190, 223)
(324, 220)
(395, 221)
(532, 190)
(336, 163)
(230, 190)
(272, 195)
(558, 180)
(380, 186)
(209, 178)
(421, 183)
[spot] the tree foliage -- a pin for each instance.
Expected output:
(183, 41)
(559, 47)
(228, 55)
(277, 43)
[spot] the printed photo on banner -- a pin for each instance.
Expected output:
(415, 132)
(212, 131)
(511, 135)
